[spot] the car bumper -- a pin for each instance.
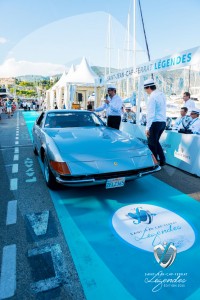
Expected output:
(95, 181)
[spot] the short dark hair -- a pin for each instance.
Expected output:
(185, 109)
(187, 94)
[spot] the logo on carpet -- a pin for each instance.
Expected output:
(165, 254)
(147, 226)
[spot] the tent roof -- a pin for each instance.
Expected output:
(83, 75)
(61, 82)
(69, 74)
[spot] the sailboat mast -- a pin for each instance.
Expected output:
(134, 39)
(109, 43)
(128, 53)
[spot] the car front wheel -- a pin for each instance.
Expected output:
(48, 175)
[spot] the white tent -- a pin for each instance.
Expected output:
(84, 75)
(61, 82)
(82, 80)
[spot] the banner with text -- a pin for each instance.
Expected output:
(171, 62)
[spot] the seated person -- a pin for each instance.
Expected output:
(168, 123)
(129, 115)
(183, 121)
(143, 119)
(194, 124)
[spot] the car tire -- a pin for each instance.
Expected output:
(48, 175)
(35, 151)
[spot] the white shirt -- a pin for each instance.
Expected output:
(190, 104)
(131, 116)
(181, 122)
(195, 125)
(113, 108)
(156, 108)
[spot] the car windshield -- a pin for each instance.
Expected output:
(72, 119)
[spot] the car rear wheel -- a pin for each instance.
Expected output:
(48, 175)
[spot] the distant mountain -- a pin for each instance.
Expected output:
(32, 78)
(100, 71)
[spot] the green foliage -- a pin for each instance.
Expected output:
(26, 83)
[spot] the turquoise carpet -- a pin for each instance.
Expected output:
(109, 267)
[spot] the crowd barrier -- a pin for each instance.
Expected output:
(181, 150)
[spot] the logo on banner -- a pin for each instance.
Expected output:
(165, 254)
(147, 226)
(181, 154)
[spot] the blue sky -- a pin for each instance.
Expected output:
(46, 36)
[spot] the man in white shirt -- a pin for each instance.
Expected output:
(188, 102)
(129, 115)
(194, 124)
(156, 119)
(183, 120)
(113, 105)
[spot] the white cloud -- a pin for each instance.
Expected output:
(13, 68)
(2, 40)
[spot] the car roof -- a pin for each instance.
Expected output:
(67, 110)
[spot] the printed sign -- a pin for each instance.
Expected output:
(146, 226)
(171, 62)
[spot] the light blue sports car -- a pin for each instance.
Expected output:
(78, 149)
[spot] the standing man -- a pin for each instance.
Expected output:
(113, 105)
(9, 107)
(188, 102)
(156, 119)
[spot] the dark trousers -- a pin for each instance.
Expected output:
(155, 131)
(114, 121)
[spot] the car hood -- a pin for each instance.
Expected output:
(94, 143)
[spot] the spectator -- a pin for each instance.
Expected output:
(128, 114)
(1, 109)
(9, 107)
(188, 102)
(194, 124)
(183, 120)
(89, 106)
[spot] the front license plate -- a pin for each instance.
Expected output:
(115, 182)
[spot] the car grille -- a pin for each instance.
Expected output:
(108, 175)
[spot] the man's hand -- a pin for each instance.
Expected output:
(147, 133)
(107, 101)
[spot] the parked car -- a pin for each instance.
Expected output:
(78, 149)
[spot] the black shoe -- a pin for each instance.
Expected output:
(162, 163)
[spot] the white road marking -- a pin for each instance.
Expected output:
(39, 222)
(16, 143)
(16, 157)
(16, 149)
(58, 265)
(16, 137)
(32, 179)
(13, 184)
(15, 168)
(11, 212)
(8, 272)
